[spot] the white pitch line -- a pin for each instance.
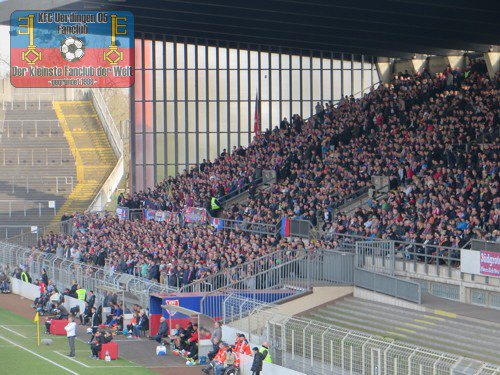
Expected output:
(18, 325)
(71, 359)
(111, 366)
(14, 332)
(40, 356)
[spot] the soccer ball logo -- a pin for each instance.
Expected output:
(72, 49)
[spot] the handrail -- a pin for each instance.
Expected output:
(245, 281)
(348, 240)
(223, 274)
(251, 227)
(113, 134)
(108, 123)
(356, 194)
(226, 198)
(108, 188)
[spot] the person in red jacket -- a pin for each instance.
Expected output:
(192, 343)
(219, 358)
(243, 347)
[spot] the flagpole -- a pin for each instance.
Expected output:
(37, 321)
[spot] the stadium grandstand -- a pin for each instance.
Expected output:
(318, 180)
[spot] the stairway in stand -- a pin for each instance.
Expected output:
(91, 149)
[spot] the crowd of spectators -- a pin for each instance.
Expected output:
(433, 136)
(165, 252)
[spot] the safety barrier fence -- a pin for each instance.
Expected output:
(31, 238)
(111, 129)
(7, 231)
(64, 272)
(27, 100)
(29, 128)
(407, 254)
(27, 184)
(246, 269)
(15, 208)
(316, 348)
(297, 274)
(36, 156)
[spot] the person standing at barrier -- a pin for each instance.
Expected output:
(95, 321)
(25, 276)
(258, 360)
(266, 354)
(91, 299)
(217, 333)
(215, 207)
(71, 333)
(81, 293)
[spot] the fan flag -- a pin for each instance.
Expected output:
(285, 226)
(72, 48)
(256, 121)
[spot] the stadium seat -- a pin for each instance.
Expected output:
(57, 327)
(111, 348)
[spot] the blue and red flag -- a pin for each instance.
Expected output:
(285, 226)
(69, 48)
(217, 223)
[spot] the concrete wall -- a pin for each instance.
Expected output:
(382, 298)
(229, 336)
(402, 65)
(30, 291)
(318, 297)
(492, 62)
(23, 289)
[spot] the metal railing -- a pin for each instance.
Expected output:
(229, 275)
(35, 156)
(252, 227)
(31, 128)
(388, 285)
(8, 231)
(297, 273)
(13, 208)
(31, 238)
(484, 245)
(103, 197)
(27, 98)
(408, 254)
(238, 192)
(267, 177)
(27, 184)
(63, 271)
(116, 140)
(108, 123)
(316, 348)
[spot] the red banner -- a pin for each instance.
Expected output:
(490, 263)
(195, 215)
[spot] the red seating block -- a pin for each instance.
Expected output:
(111, 348)
(57, 327)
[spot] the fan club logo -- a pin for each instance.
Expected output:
(72, 49)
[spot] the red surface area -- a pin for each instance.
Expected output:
(104, 74)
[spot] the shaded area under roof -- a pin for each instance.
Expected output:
(392, 28)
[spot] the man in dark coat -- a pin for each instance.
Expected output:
(162, 330)
(258, 359)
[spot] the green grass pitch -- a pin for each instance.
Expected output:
(20, 354)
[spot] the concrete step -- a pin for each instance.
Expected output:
(457, 323)
(418, 328)
(454, 335)
(441, 345)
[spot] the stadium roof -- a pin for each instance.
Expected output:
(391, 28)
